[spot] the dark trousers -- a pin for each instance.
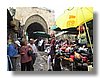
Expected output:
(57, 68)
(12, 61)
(9, 65)
(33, 61)
(26, 66)
(33, 58)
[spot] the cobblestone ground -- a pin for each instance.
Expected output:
(41, 62)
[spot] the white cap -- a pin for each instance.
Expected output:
(31, 39)
(18, 43)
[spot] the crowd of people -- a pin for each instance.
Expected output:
(64, 52)
(61, 52)
(27, 51)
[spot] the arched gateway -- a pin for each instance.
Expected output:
(35, 19)
(35, 23)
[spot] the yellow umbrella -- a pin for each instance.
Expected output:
(74, 17)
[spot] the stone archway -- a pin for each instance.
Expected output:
(35, 23)
(33, 28)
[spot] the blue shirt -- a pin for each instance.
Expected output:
(11, 50)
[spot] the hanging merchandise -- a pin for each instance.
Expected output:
(82, 38)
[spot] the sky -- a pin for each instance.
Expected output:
(50, 4)
(59, 6)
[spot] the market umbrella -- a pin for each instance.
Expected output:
(55, 28)
(41, 34)
(74, 17)
(72, 32)
(70, 29)
(80, 28)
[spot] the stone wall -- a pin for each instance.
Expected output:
(23, 13)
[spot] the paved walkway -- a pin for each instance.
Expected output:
(41, 62)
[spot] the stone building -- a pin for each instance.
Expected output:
(35, 19)
(13, 26)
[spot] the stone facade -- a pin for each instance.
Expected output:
(28, 15)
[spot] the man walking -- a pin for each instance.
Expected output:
(34, 48)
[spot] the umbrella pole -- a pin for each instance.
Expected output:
(79, 33)
(89, 37)
(87, 32)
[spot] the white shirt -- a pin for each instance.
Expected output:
(34, 48)
(81, 48)
(40, 43)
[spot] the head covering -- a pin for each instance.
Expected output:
(9, 41)
(31, 39)
(18, 43)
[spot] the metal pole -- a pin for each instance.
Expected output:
(89, 37)
(87, 32)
